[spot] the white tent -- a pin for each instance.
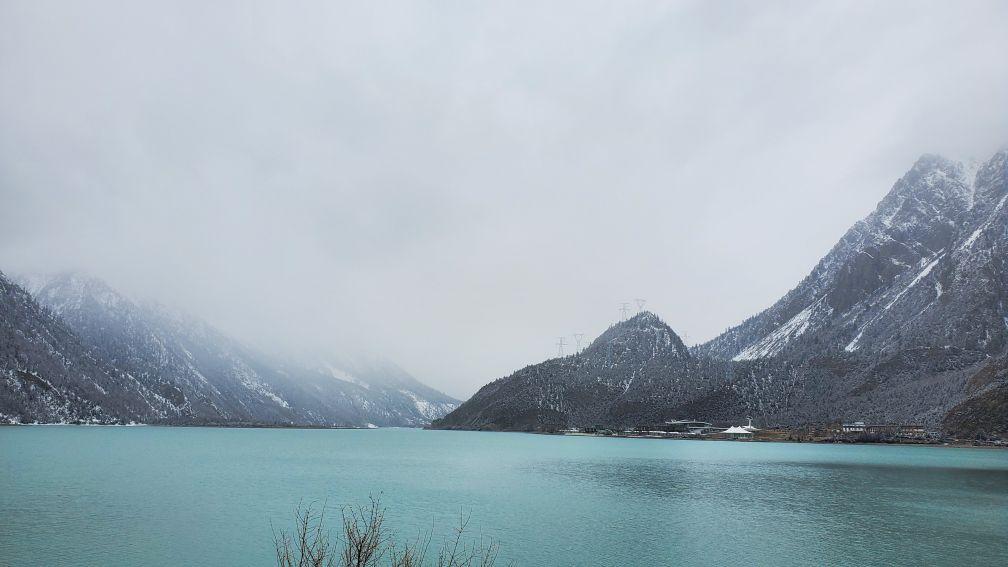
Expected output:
(737, 432)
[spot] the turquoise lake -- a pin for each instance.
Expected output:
(203, 496)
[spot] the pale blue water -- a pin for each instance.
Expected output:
(194, 496)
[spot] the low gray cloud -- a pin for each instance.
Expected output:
(457, 184)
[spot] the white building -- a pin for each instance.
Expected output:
(856, 427)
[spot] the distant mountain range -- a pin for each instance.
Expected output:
(72, 349)
(905, 319)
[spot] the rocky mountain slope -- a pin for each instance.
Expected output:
(926, 268)
(897, 322)
(48, 374)
(180, 370)
(900, 321)
(633, 372)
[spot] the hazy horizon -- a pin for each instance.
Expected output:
(455, 186)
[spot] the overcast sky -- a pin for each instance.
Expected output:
(456, 184)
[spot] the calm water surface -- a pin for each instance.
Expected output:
(193, 496)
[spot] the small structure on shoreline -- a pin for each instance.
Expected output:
(736, 432)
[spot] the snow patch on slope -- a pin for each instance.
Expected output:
(249, 379)
(923, 274)
(340, 374)
(775, 342)
(976, 233)
(428, 409)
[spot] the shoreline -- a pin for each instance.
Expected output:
(209, 425)
(957, 443)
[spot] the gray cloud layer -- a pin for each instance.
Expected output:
(456, 184)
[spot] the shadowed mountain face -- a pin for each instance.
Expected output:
(895, 323)
(166, 367)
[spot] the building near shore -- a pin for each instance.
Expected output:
(896, 430)
(887, 430)
(676, 427)
(855, 427)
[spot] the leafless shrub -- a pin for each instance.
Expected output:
(457, 552)
(308, 544)
(364, 542)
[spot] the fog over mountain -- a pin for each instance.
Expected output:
(456, 186)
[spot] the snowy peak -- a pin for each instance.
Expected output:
(928, 163)
(72, 291)
(633, 371)
(934, 185)
(644, 330)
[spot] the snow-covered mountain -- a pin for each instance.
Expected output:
(184, 371)
(926, 268)
(48, 374)
(905, 319)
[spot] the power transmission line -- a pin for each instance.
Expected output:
(578, 337)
